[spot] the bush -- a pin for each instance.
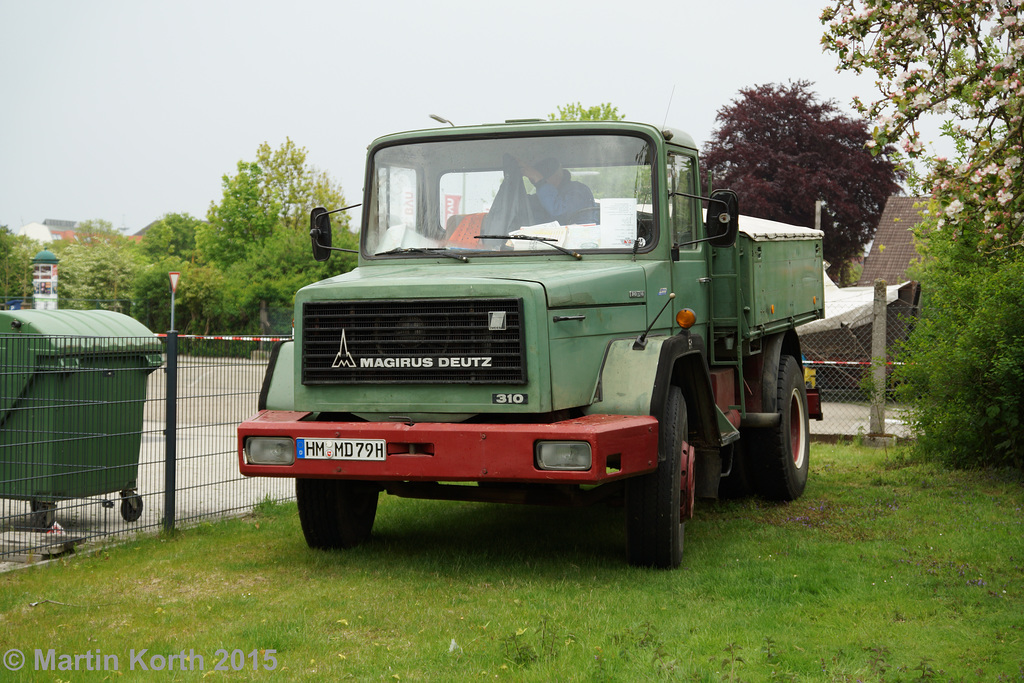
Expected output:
(965, 365)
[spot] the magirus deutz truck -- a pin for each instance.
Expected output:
(544, 313)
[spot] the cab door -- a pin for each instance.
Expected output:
(690, 279)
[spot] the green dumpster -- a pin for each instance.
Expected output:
(72, 393)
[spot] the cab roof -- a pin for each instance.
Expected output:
(516, 127)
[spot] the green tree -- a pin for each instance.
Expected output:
(264, 284)
(275, 192)
(296, 186)
(152, 293)
(246, 215)
(16, 253)
(205, 302)
(97, 230)
(258, 235)
(577, 112)
(98, 271)
(172, 235)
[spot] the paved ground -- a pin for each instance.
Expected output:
(851, 419)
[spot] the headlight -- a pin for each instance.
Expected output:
(562, 455)
(267, 450)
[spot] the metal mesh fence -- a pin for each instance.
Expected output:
(838, 358)
(82, 445)
(83, 423)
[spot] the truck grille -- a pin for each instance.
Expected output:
(413, 341)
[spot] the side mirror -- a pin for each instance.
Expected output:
(723, 221)
(320, 233)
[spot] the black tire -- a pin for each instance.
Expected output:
(336, 513)
(131, 506)
(654, 524)
(785, 450)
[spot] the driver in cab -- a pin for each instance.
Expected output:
(563, 198)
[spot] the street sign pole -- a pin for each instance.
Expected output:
(171, 419)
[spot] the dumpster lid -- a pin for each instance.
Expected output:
(107, 330)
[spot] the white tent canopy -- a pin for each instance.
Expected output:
(848, 306)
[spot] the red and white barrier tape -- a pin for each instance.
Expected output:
(228, 338)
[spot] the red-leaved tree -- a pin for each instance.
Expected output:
(782, 149)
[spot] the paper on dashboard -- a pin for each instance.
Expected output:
(618, 222)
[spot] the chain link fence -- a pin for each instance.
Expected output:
(83, 452)
(839, 359)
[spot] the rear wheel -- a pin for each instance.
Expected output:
(785, 457)
(654, 502)
(131, 506)
(336, 513)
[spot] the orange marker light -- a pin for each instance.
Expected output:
(686, 318)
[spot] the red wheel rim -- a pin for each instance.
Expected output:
(687, 483)
(797, 433)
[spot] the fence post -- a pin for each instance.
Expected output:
(876, 425)
(171, 431)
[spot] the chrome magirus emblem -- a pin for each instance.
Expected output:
(344, 359)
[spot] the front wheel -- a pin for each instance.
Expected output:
(785, 457)
(336, 513)
(654, 502)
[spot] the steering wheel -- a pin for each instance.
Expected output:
(570, 219)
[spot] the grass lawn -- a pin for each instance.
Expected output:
(886, 570)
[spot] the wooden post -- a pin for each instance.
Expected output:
(878, 358)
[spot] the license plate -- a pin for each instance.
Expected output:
(341, 449)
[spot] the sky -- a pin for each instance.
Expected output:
(126, 111)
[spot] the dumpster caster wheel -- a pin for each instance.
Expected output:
(131, 506)
(43, 514)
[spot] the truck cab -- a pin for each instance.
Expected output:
(546, 313)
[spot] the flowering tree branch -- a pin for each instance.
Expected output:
(957, 58)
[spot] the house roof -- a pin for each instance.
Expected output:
(893, 248)
(142, 233)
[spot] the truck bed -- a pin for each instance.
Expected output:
(777, 270)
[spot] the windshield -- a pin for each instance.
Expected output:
(510, 195)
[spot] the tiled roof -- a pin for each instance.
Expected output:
(893, 248)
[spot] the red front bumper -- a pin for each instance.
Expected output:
(621, 445)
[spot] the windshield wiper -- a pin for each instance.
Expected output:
(440, 251)
(550, 241)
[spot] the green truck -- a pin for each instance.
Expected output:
(544, 313)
